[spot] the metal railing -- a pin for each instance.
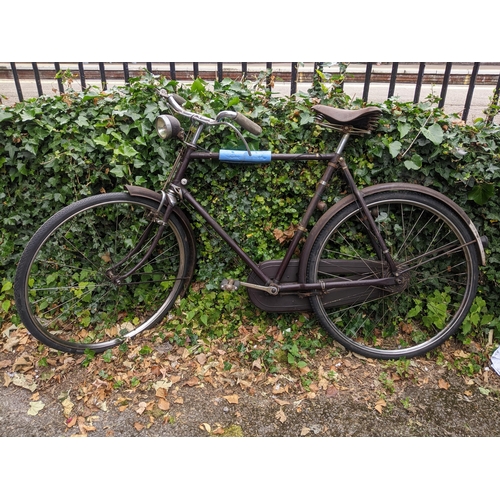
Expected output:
(368, 74)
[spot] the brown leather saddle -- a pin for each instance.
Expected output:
(361, 120)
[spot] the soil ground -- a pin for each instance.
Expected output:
(160, 389)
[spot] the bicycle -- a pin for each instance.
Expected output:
(390, 270)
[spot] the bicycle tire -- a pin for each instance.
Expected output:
(439, 276)
(65, 287)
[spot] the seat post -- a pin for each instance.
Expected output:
(342, 143)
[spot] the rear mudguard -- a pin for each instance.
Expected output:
(379, 188)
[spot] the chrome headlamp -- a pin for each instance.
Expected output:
(168, 126)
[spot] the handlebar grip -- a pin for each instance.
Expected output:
(178, 99)
(247, 124)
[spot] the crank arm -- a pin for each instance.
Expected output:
(232, 285)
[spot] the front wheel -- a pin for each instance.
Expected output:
(437, 267)
(68, 286)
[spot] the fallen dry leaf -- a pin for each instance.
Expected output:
(11, 343)
(305, 431)
(71, 421)
(201, 358)
(67, 407)
(380, 405)
(193, 381)
(278, 389)
(257, 364)
(84, 428)
(443, 384)
(332, 391)
(280, 415)
(206, 427)
(24, 381)
(142, 407)
(161, 392)
(35, 407)
(233, 399)
(138, 426)
(282, 402)
(163, 404)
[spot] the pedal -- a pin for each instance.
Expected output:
(229, 285)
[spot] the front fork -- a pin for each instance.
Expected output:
(118, 279)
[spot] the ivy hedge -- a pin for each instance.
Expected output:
(57, 149)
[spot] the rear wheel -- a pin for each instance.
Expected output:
(438, 276)
(69, 290)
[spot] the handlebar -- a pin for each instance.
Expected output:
(176, 103)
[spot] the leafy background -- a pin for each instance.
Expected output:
(57, 149)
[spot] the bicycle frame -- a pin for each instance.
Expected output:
(177, 190)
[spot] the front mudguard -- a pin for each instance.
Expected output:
(379, 188)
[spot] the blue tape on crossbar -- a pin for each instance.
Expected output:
(231, 155)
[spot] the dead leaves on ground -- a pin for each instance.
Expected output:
(155, 387)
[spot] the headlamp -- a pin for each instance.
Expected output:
(168, 126)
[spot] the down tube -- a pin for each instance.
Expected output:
(186, 195)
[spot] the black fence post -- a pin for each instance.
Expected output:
(37, 79)
(196, 70)
(81, 69)
(368, 75)
(126, 73)
(16, 81)
(103, 76)
(444, 88)
(60, 85)
(269, 66)
(392, 83)
(293, 79)
(418, 86)
(470, 92)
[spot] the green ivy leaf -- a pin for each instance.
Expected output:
(5, 115)
(395, 148)
(102, 140)
(481, 193)
(434, 133)
(403, 128)
(415, 163)
(125, 150)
